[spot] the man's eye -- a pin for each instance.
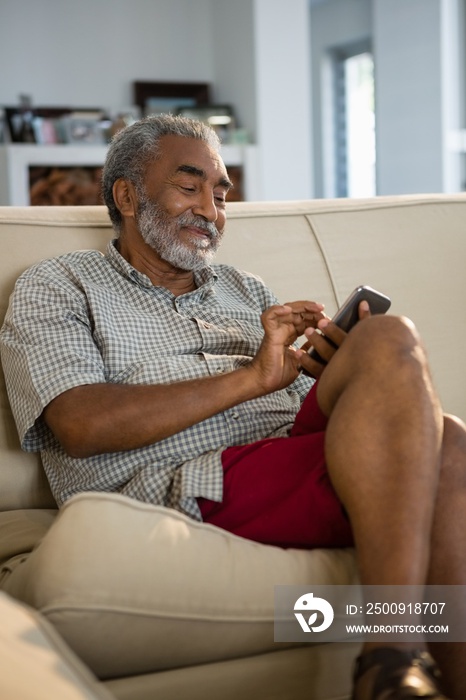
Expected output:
(189, 189)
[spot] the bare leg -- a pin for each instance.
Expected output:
(384, 452)
(383, 447)
(448, 547)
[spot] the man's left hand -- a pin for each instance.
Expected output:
(318, 340)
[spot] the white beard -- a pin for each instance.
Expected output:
(161, 232)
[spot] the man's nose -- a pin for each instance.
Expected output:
(205, 206)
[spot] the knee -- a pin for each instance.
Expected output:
(381, 354)
(387, 341)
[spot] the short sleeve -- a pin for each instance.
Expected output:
(47, 347)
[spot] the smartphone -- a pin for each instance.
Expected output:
(348, 315)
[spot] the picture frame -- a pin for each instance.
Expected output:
(82, 128)
(167, 98)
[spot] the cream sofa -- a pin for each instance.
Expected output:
(158, 606)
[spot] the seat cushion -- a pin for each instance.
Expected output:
(135, 588)
(36, 663)
(21, 531)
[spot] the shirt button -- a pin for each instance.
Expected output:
(219, 370)
(235, 415)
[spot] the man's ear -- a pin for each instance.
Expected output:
(124, 196)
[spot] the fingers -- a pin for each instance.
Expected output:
(323, 343)
(284, 323)
(305, 306)
(277, 314)
(307, 364)
(306, 314)
(364, 310)
(321, 347)
(279, 326)
(317, 352)
(302, 314)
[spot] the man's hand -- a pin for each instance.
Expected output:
(325, 349)
(277, 364)
(97, 418)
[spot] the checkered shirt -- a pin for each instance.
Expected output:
(86, 318)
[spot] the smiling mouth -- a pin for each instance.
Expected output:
(198, 232)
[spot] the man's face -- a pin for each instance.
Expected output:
(181, 213)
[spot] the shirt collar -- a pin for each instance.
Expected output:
(206, 277)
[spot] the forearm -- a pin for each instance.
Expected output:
(97, 418)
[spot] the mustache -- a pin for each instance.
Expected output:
(199, 222)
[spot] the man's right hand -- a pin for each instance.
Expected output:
(97, 418)
(277, 363)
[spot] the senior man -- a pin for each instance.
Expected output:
(151, 372)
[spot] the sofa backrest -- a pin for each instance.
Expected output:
(27, 235)
(413, 248)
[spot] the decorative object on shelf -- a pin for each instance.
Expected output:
(20, 121)
(162, 98)
(51, 125)
(123, 119)
(84, 128)
(219, 117)
(3, 127)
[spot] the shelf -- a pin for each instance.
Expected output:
(16, 159)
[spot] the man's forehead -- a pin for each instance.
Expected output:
(222, 179)
(183, 154)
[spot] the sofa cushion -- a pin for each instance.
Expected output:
(21, 531)
(30, 234)
(135, 588)
(36, 663)
(23, 483)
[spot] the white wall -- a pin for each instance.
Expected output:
(418, 48)
(256, 54)
(88, 52)
(234, 65)
(417, 92)
(283, 89)
(261, 63)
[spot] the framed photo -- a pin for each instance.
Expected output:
(82, 129)
(164, 98)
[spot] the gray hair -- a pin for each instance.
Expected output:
(134, 147)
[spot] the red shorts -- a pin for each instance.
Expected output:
(277, 491)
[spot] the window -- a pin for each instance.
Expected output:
(354, 122)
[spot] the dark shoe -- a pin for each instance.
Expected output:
(387, 673)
